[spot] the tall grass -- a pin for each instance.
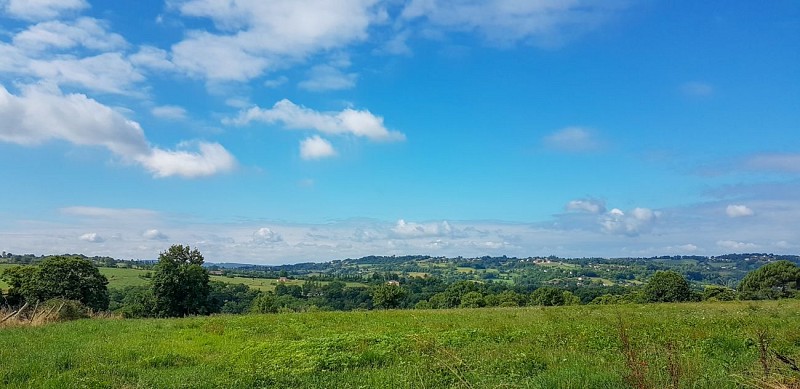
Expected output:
(697, 345)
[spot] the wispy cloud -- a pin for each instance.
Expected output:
(41, 9)
(327, 77)
(109, 213)
(361, 123)
(92, 237)
(783, 163)
(573, 140)
(697, 89)
(738, 210)
(170, 112)
(593, 206)
(540, 23)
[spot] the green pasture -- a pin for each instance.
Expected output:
(696, 345)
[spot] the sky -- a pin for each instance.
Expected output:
(284, 131)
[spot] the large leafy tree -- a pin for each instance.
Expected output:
(779, 279)
(180, 283)
(667, 286)
(59, 277)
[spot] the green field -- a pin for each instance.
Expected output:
(122, 277)
(698, 345)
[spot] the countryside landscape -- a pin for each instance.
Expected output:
(400, 194)
(414, 321)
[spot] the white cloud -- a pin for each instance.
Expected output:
(85, 32)
(256, 35)
(152, 58)
(154, 234)
(109, 213)
(633, 223)
(572, 139)
(697, 89)
(542, 23)
(42, 113)
(316, 148)
(266, 235)
(348, 121)
(736, 246)
(403, 229)
(41, 9)
(327, 77)
(587, 205)
(209, 159)
(786, 163)
(91, 237)
(687, 248)
(737, 210)
(107, 72)
(171, 112)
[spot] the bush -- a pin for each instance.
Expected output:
(59, 309)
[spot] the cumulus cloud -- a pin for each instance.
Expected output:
(360, 123)
(633, 223)
(738, 210)
(403, 229)
(587, 205)
(254, 36)
(42, 113)
(154, 235)
(209, 159)
(541, 23)
(266, 235)
(736, 246)
(91, 237)
(170, 112)
(572, 139)
(41, 9)
(316, 148)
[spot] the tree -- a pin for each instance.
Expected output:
(59, 277)
(547, 296)
(779, 279)
(472, 300)
(388, 296)
(667, 286)
(180, 283)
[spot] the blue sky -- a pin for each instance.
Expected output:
(283, 131)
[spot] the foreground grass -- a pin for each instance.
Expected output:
(705, 345)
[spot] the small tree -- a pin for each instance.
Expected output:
(59, 277)
(667, 286)
(775, 280)
(180, 283)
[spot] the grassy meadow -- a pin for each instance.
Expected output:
(693, 345)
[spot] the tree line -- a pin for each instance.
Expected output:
(180, 286)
